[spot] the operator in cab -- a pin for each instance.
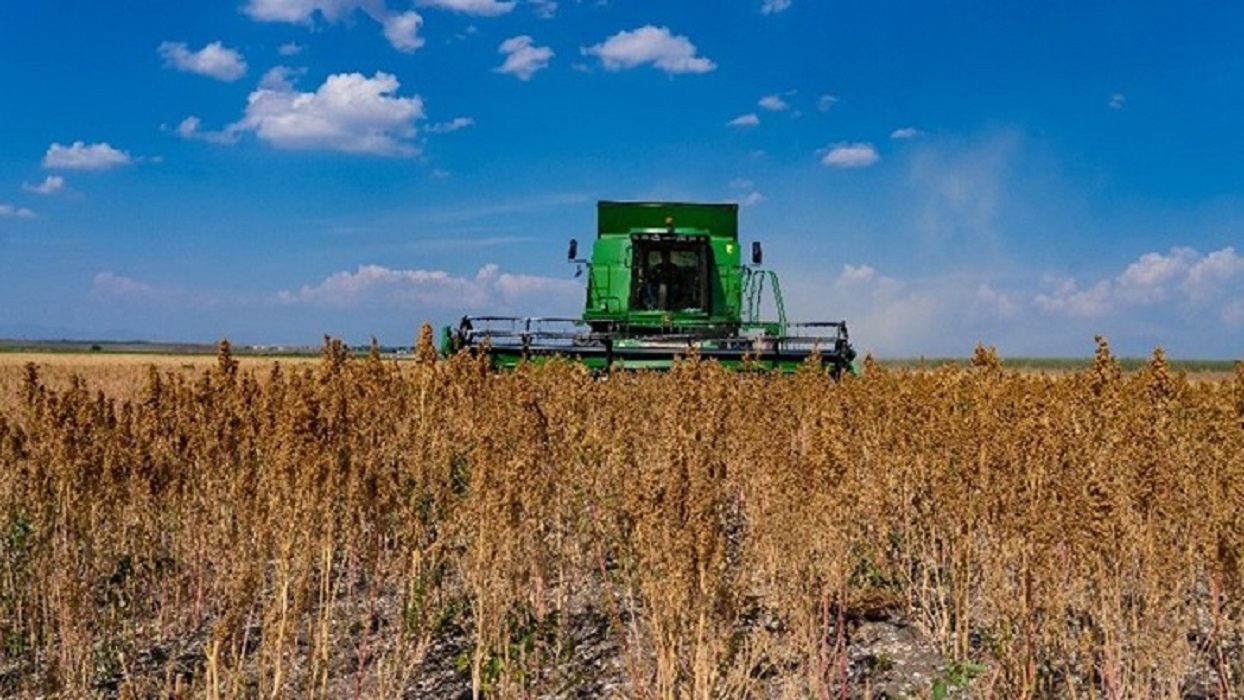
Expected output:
(664, 283)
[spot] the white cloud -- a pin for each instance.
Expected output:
(854, 276)
(824, 102)
(886, 314)
(279, 78)
(928, 315)
(744, 120)
(189, 128)
(1117, 100)
(1067, 299)
(10, 211)
(1180, 299)
(1207, 275)
(907, 132)
(996, 303)
(490, 289)
(773, 103)
(772, 7)
(748, 196)
(1182, 277)
(517, 289)
(464, 242)
(1233, 314)
(850, 155)
(349, 113)
(50, 185)
(79, 156)
(299, 11)
(649, 44)
(455, 124)
(1148, 280)
(290, 49)
(400, 28)
(482, 8)
(402, 31)
(110, 284)
(213, 60)
(544, 8)
(522, 58)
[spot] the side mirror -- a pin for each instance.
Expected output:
(574, 250)
(758, 255)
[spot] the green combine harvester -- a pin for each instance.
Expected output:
(664, 279)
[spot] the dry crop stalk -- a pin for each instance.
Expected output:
(1066, 532)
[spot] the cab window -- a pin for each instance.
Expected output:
(669, 278)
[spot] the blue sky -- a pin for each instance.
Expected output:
(937, 174)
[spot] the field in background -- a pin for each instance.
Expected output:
(213, 527)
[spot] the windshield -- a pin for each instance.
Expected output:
(669, 276)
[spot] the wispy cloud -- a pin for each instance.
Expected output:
(80, 156)
(349, 112)
(455, 124)
(545, 9)
(213, 60)
(51, 184)
(1117, 100)
(773, 103)
(907, 132)
(825, 102)
(964, 193)
(10, 211)
(523, 58)
(850, 155)
(122, 291)
(747, 195)
(650, 45)
(996, 303)
(489, 289)
(772, 7)
(483, 211)
(468, 243)
(744, 120)
(482, 8)
(191, 128)
(110, 284)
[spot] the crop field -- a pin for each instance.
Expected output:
(351, 527)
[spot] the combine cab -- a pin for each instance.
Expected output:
(664, 279)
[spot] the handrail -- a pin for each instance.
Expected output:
(753, 291)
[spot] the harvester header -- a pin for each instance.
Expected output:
(664, 279)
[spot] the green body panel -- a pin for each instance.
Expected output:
(626, 230)
(619, 218)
